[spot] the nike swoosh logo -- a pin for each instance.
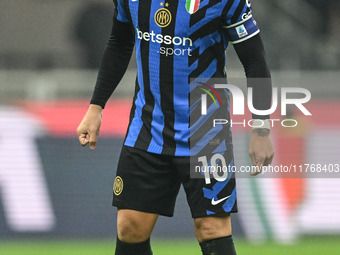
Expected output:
(213, 202)
(134, 0)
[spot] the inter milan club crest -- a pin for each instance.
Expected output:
(192, 6)
(118, 186)
(163, 16)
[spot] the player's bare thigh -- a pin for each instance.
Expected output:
(134, 226)
(211, 227)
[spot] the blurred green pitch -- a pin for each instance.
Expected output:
(307, 246)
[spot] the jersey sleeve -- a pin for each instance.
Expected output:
(238, 22)
(120, 11)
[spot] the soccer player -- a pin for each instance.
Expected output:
(176, 42)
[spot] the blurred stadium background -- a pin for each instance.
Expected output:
(55, 196)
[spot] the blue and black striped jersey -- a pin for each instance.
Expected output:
(177, 41)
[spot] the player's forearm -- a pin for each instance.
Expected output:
(261, 131)
(253, 58)
(115, 62)
(95, 108)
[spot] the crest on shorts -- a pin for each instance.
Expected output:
(118, 186)
(192, 5)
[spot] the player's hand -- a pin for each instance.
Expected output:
(261, 149)
(89, 127)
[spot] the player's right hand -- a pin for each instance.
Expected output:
(89, 127)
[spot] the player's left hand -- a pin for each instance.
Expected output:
(261, 149)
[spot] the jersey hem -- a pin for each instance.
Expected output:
(168, 152)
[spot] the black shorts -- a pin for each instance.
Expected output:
(150, 183)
